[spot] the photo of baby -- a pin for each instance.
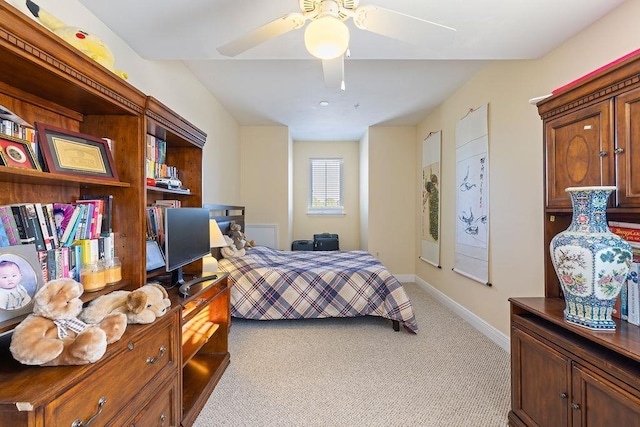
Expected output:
(19, 278)
(13, 295)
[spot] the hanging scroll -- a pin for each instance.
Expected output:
(430, 196)
(472, 196)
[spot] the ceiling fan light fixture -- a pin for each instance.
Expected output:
(326, 37)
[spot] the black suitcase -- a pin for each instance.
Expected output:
(326, 242)
(302, 245)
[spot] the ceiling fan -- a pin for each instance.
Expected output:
(327, 37)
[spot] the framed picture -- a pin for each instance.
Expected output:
(72, 153)
(20, 279)
(17, 154)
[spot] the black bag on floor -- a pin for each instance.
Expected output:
(326, 242)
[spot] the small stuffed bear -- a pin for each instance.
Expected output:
(143, 305)
(239, 239)
(52, 334)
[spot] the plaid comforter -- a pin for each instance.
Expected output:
(271, 284)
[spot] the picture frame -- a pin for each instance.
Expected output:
(24, 258)
(155, 258)
(75, 154)
(15, 153)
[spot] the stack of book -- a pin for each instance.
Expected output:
(156, 155)
(628, 304)
(65, 235)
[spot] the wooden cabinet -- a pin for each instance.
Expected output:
(206, 318)
(565, 375)
(579, 152)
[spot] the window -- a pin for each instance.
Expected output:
(325, 187)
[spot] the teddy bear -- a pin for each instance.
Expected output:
(53, 335)
(142, 305)
(85, 42)
(239, 239)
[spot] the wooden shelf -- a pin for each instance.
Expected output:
(199, 378)
(28, 176)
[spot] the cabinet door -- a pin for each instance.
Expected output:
(628, 148)
(597, 402)
(579, 152)
(540, 382)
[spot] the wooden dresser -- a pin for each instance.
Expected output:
(137, 382)
(562, 374)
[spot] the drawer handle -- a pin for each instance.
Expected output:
(619, 150)
(563, 395)
(163, 418)
(151, 360)
(603, 154)
(78, 423)
(575, 406)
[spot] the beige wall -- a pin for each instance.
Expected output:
(392, 174)
(364, 191)
(515, 152)
(347, 226)
(264, 182)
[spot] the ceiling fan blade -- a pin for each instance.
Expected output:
(261, 34)
(333, 70)
(406, 28)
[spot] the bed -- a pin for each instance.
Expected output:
(271, 284)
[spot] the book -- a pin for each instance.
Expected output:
(70, 231)
(25, 226)
(42, 260)
(633, 296)
(34, 224)
(9, 225)
(43, 224)
(84, 222)
(62, 213)
(96, 217)
(75, 261)
(107, 210)
(4, 239)
(628, 231)
(48, 213)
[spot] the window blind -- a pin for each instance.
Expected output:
(326, 185)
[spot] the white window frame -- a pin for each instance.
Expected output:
(325, 210)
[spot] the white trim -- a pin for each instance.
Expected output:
(486, 329)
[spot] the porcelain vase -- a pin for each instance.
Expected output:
(591, 262)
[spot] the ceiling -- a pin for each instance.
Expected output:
(388, 82)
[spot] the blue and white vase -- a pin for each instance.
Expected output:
(591, 262)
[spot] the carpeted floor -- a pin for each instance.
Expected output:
(359, 372)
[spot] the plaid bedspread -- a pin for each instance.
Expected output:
(271, 284)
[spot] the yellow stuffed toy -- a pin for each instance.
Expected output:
(85, 42)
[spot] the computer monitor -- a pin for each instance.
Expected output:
(186, 239)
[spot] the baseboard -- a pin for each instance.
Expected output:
(486, 329)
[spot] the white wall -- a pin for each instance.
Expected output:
(185, 95)
(516, 162)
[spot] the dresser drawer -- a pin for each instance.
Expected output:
(162, 410)
(150, 353)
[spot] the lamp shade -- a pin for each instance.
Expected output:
(215, 235)
(326, 37)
